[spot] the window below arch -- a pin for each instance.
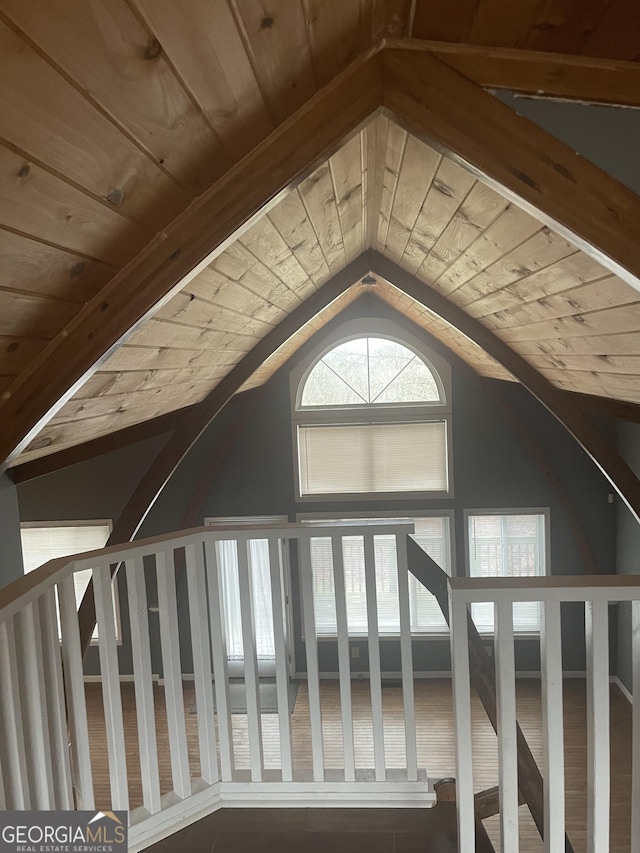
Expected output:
(371, 416)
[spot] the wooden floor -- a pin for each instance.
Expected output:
(435, 745)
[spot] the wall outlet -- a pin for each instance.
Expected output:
(355, 651)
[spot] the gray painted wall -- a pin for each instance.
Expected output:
(10, 546)
(627, 550)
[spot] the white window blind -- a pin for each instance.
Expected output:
(44, 542)
(511, 545)
(364, 458)
(432, 534)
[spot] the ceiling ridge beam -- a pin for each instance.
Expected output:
(186, 247)
(568, 413)
(537, 73)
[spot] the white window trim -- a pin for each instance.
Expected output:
(394, 413)
(544, 511)
(301, 517)
(92, 522)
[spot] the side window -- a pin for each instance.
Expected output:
(47, 540)
(507, 543)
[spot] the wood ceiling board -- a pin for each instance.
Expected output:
(391, 156)
(438, 20)
(108, 383)
(625, 343)
(542, 249)
(377, 132)
(347, 167)
(319, 200)
(290, 219)
(337, 33)
(164, 358)
(215, 288)
(499, 22)
(265, 243)
(238, 264)
(563, 25)
(626, 388)
(161, 333)
(16, 353)
(206, 50)
(190, 311)
(35, 267)
(42, 206)
(629, 364)
(617, 32)
(507, 231)
(50, 122)
(186, 246)
(23, 315)
(419, 166)
(447, 192)
(572, 271)
(275, 38)
(478, 210)
(607, 293)
(116, 64)
(530, 167)
(170, 396)
(595, 323)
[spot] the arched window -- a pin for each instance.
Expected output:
(371, 416)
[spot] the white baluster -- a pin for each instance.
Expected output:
(37, 741)
(635, 743)
(344, 662)
(75, 695)
(598, 766)
(12, 747)
(552, 727)
(111, 694)
(220, 667)
(281, 652)
(311, 647)
(506, 716)
(173, 692)
(143, 682)
(254, 722)
(459, 637)
(375, 675)
(54, 689)
(406, 656)
(201, 648)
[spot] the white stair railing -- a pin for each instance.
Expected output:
(596, 593)
(46, 741)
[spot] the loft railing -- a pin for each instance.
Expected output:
(46, 755)
(596, 594)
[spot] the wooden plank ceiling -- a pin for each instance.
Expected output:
(115, 114)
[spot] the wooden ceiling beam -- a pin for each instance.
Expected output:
(516, 158)
(568, 413)
(539, 74)
(181, 251)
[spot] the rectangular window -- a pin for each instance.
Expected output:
(433, 534)
(48, 540)
(373, 458)
(511, 544)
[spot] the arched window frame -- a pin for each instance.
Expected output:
(372, 413)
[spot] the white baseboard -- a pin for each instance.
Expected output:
(418, 674)
(627, 695)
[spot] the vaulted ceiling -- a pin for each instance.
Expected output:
(118, 115)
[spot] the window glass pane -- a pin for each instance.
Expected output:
(507, 546)
(432, 534)
(369, 371)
